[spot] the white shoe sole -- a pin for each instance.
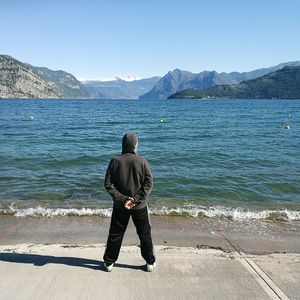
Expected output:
(150, 268)
(109, 268)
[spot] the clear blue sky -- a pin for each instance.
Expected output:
(97, 39)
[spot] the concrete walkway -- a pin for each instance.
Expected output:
(64, 271)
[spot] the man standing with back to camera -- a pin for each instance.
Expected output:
(129, 181)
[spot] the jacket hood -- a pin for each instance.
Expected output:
(129, 143)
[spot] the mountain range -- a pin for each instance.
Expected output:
(281, 84)
(21, 80)
(178, 80)
(119, 88)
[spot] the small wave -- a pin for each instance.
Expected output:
(192, 211)
(40, 211)
(231, 213)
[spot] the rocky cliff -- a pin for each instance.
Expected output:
(18, 80)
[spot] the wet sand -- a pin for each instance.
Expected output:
(251, 236)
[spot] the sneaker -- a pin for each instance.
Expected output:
(150, 268)
(108, 267)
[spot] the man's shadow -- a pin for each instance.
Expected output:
(41, 260)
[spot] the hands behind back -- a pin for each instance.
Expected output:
(129, 204)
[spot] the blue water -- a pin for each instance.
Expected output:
(230, 154)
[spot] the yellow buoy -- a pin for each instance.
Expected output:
(287, 126)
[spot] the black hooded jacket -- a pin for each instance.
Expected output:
(129, 175)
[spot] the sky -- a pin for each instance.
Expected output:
(97, 39)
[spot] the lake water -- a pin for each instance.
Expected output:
(209, 158)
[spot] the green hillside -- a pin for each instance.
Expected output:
(282, 84)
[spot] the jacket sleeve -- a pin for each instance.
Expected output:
(109, 186)
(146, 187)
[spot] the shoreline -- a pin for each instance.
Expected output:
(197, 211)
(248, 236)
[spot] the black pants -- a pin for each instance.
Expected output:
(118, 225)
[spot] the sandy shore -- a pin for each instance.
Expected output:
(251, 237)
(197, 258)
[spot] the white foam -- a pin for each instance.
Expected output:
(190, 210)
(227, 212)
(52, 212)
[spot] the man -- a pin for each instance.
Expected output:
(129, 181)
